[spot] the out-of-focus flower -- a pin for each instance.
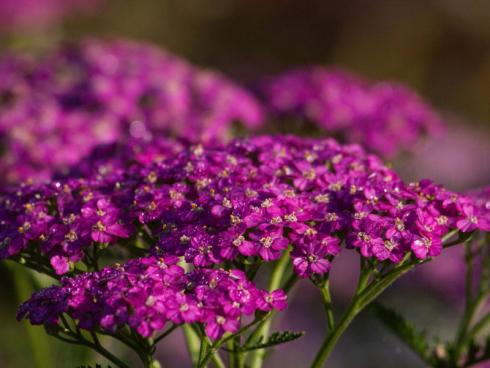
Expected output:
(384, 117)
(55, 108)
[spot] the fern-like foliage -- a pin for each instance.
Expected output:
(277, 338)
(405, 331)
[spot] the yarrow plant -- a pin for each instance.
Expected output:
(146, 295)
(201, 222)
(470, 345)
(56, 107)
(386, 118)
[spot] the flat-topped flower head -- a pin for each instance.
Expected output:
(55, 108)
(148, 293)
(246, 200)
(384, 117)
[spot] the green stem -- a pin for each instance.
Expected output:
(483, 289)
(256, 333)
(193, 343)
(331, 339)
(107, 354)
(473, 303)
(212, 351)
(218, 362)
(165, 334)
(232, 363)
(200, 345)
(374, 289)
(80, 340)
(469, 310)
(240, 356)
(40, 347)
(257, 357)
(237, 358)
(482, 324)
(365, 293)
(202, 350)
(327, 303)
(126, 341)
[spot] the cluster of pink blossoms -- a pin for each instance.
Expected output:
(384, 117)
(54, 109)
(148, 293)
(481, 199)
(253, 198)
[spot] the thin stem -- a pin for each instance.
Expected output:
(80, 340)
(192, 342)
(256, 333)
(38, 267)
(462, 238)
(327, 304)
(483, 289)
(202, 350)
(203, 340)
(473, 303)
(236, 356)
(364, 295)
(332, 338)
(240, 356)
(212, 351)
(252, 271)
(334, 333)
(470, 307)
(218, 362)
(482, 324)
(123, 339)
(257, 357)
(373, 290)
(106, 353)
(232, 363)
(75, 333)
(165, 334)
(39, 346)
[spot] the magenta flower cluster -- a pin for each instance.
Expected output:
(384, 117)
(253, 198)
(481, 199)
(118, 154)
(148, 293)
(54, 109)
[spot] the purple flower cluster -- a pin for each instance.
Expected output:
(481, 199)
(444, 275)
(148, 293)
(253, 198)
(16, 14)
(55, 108)
(384, 117)
(92, 203)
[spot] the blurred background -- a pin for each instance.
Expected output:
(440, 48)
